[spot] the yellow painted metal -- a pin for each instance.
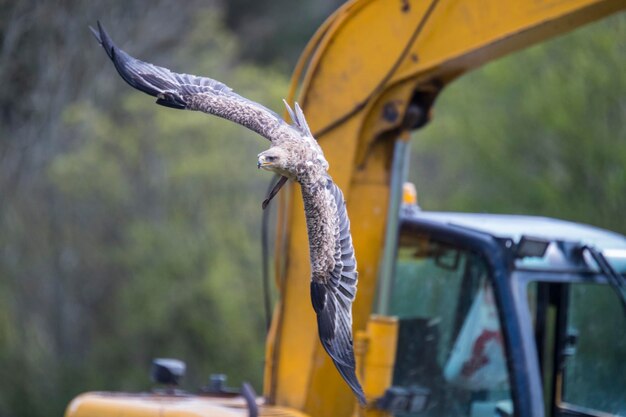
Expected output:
(96, 404)
(375, 350)
(362, 71)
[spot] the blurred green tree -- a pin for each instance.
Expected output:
(539, 132)
(132, 237)
(276, 31)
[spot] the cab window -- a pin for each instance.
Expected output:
(449, 341)
(595, 363)
(580, 329)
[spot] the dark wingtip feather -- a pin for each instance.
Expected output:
(350, 377)
(104, 39)
(124, 63)
(95, 34)
(326, 315)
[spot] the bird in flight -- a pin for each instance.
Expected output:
(293, 154)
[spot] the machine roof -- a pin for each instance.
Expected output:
(514, 226)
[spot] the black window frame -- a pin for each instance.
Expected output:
(522, 364)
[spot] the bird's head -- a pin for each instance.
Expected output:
(274, 159)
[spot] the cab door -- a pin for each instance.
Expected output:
(580, 330)
(450, 341)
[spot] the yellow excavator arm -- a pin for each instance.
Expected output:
(369, 75)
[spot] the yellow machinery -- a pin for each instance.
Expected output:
(369, 75)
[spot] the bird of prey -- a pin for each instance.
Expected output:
(294, 154)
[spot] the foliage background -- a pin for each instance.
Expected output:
(539, 132)
(113, 245)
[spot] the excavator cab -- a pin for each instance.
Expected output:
(502, 315)
(451, 305)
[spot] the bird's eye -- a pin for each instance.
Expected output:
(270, 158)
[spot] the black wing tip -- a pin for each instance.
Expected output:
(349, 375)
(361, 397)
(95, 34)
(103, 38)
(107, 44)
(124, 64)
(325, 325)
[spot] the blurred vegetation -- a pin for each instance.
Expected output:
(276, 31)
(114, 248)
(125, 232)
(539, 132)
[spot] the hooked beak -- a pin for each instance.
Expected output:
(262, 162)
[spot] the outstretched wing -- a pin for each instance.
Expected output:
(185, 91)
(332, 299)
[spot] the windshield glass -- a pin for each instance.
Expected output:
(595, 373)
(581, 343)
(449, 339)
